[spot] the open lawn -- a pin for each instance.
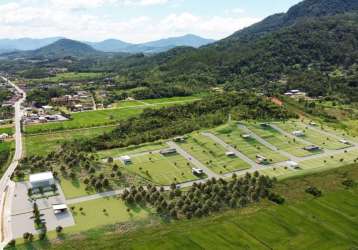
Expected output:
(161, 169)
(311, 135)
(117, 152)
(6, 150)
(172, 99)
(73, 188)
(303, 222)
(87, 119)
(43, 144)
(279, 140)
(250, 147)
(126, 103)
(7, 130)
(212, 154)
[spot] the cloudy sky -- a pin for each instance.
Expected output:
(132, 20)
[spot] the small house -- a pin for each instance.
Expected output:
(44, 179)
(3, 136)
(312, 148)
(298, 133)
(126, 159)
(197, 171)
(344, 142)
(230, 154)
(168, 151)
(59, 208)
(179, 139)
(47, 107)
(246, 136)
(313, 124)
(261, 159)
(265, 125)
(292, 164)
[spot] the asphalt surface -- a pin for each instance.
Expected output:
(5, 228)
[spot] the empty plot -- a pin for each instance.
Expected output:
(212, 154)
(161, 169)
(276, 172)
(279, 140)
(249, 147)
(330, 161)
(312, 135)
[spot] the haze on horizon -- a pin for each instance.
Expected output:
(134, 21)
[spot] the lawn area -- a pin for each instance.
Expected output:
(6, 149)
(303, 222)
(73, 189)
(250, 147)
(7, 130)
(312, 135)
(161, 169)
(212, 154)
(87, 119)
(328, 162)
(279, 140)
(128, 103)
(117, 152)
(43, 144)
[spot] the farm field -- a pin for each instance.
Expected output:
(250, 147)
(161, 169)
(87, 119)
(43, 144)
(212, 155)
(312, 136)
(303, 222)
(70, 76)
(279, 140)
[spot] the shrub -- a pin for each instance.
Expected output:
(314, 191)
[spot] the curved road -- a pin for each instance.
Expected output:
(5, 181)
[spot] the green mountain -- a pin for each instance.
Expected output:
(313, 46)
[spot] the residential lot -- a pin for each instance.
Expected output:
(313, 136)
(161, 169)
(290, 145)
(212, 154)
(233, 135)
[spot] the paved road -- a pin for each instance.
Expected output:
(330, 134)
(5, 182)
(194, 161)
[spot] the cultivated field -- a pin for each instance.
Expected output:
(212, 154)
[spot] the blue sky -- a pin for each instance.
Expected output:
(132, 20)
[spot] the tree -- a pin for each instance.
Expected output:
(59, 229)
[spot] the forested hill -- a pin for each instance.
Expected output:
(301, 11)
(317, 54)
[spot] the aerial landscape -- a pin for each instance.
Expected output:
(173, 124)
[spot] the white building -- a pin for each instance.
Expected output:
(292, 164)
(197, 171)
(59, 208)
(230, 154)
(126, 159)
(344, 141)
(42, 180)
(298, 133)
(4, 136)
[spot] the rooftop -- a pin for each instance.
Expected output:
(41, 176)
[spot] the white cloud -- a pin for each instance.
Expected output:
(57, 18)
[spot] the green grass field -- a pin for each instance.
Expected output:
(117, 152)
(7, 130)
(161, 169)
(45, 143)
(93, 216)
(212, 155)
(303, 222)
(6, 150)
(279, 140)
(70, 76)
(87, 119)
(312, 136)
(231, 134)
(172, 99)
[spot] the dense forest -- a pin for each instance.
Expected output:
(167, 122)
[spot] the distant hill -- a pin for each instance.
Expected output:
(8, 45)
(110, 45)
